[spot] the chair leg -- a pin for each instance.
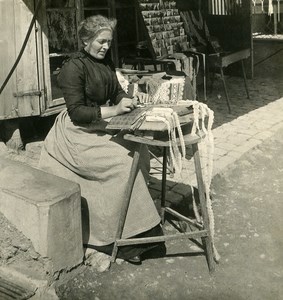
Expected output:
(204, 78)
(225, 89)
(207, 241)
(163, 187)
(245, 79)
(155, 67)
(212, 79)
(125, 204)
(140, 66)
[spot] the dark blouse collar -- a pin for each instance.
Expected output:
(95, 59)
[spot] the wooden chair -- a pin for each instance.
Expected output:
(217, 57)
(221, 61)
(202, 230)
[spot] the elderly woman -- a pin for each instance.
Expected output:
(78, 147)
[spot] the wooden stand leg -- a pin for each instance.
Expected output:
(225, 89)
(207, 241)
(125, 204)
(245, 79)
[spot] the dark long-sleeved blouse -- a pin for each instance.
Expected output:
(87, 83)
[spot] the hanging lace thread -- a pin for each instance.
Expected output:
(206, 146)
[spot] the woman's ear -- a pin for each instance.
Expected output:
(85, 45)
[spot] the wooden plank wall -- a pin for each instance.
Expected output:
(27, 74)
(15, 20)
(8, 55)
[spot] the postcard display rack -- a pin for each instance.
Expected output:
(164, 27)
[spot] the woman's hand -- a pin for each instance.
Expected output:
(126, 105)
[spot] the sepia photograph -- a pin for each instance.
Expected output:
(141, 149)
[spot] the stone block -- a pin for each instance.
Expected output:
(173, 198)
(220, 151)
(225, 146)
(156, 187)
(182, 189)
(3, 148)
(277, 127)
(155, 194)
(46, 209)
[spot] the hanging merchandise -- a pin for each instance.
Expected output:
(164, 26)
(195, 35)
(198, 22)
(270, 7)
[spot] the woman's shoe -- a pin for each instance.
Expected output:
(158, 251)
(136, 260)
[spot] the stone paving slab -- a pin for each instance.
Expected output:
(261, 124)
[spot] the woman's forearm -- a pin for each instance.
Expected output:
(108, 111)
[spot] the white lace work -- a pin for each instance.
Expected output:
(123, 81)
(165, 91)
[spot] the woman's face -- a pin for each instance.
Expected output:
(99, 46)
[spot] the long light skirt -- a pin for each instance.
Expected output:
(101, 164)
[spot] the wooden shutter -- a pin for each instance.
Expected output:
(21, 95)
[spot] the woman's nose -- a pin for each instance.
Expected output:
(106, 45)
